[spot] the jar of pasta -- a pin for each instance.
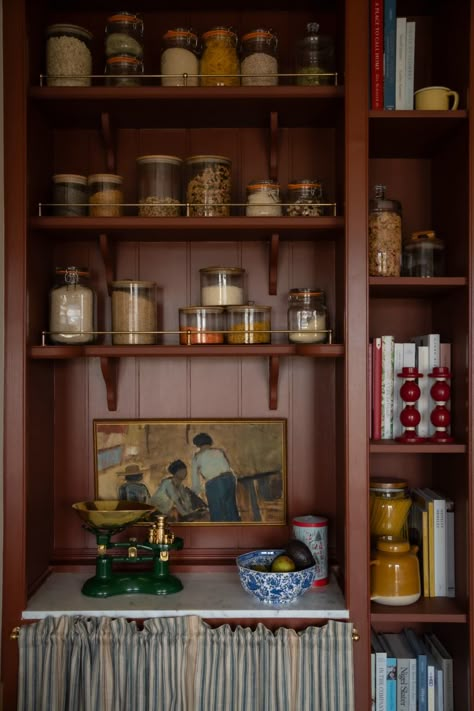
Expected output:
(222, 286)
(123, 71)
(263, 199)
(124, 35)
(390, 503)
(159, 186)
(134, 312)
(385, 234)
(201, 325)
(220, 64)
(259, 63)
(249, 324)
(105, 195)
(208, 186)
(307, 316)
(180, 58)
(72, 307)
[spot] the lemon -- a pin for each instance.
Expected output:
(283, 564)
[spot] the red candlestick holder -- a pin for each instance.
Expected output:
(440, 415)
(409, 416)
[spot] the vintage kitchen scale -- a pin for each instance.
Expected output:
(104, 519)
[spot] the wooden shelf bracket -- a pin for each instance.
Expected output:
(109, 368)
(274, 370)
(273, 264)
(110, 157)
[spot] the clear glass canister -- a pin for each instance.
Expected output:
(222, 286)
(201, 325)
(134, 312)
(70, 196)
(385, 234)
(259, 63)
(159, 186)
(314, 58)
(123, 71)
(220, 65)
(180, 58)
(423, 255)
(249, 324)
(68, 55)
(124, 35)
(208, 186)
(105, 195)
(263, 199)
(308, 320)
(390, 503)
(305, 198)
(72, 307)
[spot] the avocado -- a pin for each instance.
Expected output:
(300, 554)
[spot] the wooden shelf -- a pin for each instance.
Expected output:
(389, 446)
(404, 287)
(426, 609)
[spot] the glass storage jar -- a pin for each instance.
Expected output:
(180, 58)
(159, 186)
(307, 316)
(124, 35)
(423, 255)
(68, 55)
(222, 286)
(314, 58)
(249, 324)
(389, 505)
(219, 65)
(105, 195)
(134, 312)
(305, 198)
(259, 63)
(263, 199)
(208, 186)
(385, 234)
(72, 307)
(70, 195)
(123, 71)
(201, 325)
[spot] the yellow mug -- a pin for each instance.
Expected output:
(436, 98)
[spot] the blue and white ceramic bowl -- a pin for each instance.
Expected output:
(272, 588)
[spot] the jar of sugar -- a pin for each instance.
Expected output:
(222, 286)
(307, 316)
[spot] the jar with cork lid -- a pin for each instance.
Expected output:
(307, 316)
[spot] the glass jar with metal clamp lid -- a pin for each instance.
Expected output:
(72, 307)
(307, 316)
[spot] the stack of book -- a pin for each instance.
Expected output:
(410, 672)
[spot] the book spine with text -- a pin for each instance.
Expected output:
(389, 51)
(376, 54)
(398, 403)
(387, 386)
(400, 63)
(410, 64)
(377, 388)
(423, 403)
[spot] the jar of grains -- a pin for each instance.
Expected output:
(249, 324)
(124, 35)
(259, 63)
(314, 58)
(203, 325)
(307, 316)
(70, 195)
(385, 234)
(134, 312)
(222, 286)
(123, 71)
(68, 55)
(390, 504)
(263, 199)
(105, 195)
(305, 198)
(159, 186)
(180, 58)
(220, 64)
(208, 186)
(72, 307)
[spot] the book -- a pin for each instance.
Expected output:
(390, 676)
(377, 388)
(398, 403)
(389, 53)
(380, 672)
(423, 403)
(418, 536)
(433, 343)
(376, 53)
(445, 662)
(400, 63)
(450, 552)
(406, 670)
(410, 64)
(387, 387)
(421, 668)
(439, 541)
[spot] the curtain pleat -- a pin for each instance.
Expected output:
(182, 664)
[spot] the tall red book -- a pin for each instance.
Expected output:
(376, 53)
(377, 388)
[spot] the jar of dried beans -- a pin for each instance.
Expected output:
(208, 186)
(259, 63)
(68, 55)
(105, 195)
(72, 307)
(220, 65)
(134, 312)
(385, 234)
(159, 186)
(201, 325)
(305, 198)
(180, 58)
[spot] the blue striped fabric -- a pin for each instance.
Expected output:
(182, 664)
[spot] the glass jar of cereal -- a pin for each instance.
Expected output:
(385, 234)
(208, 186)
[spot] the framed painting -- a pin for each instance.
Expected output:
(196, 471)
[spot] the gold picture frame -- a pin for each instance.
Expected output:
(196, 471)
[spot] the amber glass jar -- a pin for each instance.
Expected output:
(220, 64)
(390, 503)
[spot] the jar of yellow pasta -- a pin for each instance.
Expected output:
(389, 506)
(220, 65)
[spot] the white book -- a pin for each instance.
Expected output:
(387, 386)
(450, 552)
(433, 342)
(431, 697)
(445, 662)
(400, 63)
(410, 64)
(398, 403)
(423, 404)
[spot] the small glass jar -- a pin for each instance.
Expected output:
(219, 65)
(105, 195)
(423, 255)
(72, 307)
(249, 324)
(208, 186)
(134, 312)
(159, 186)
(385, 234)
(180, 58)
(314, 58)
(123, 71)
(308, 320)
(390, 503)
(124, 35)
(259, 63)
(305, 198)
(201, 325)
(263, 199)
(68, 55)
(222, 286)
(70, 195)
